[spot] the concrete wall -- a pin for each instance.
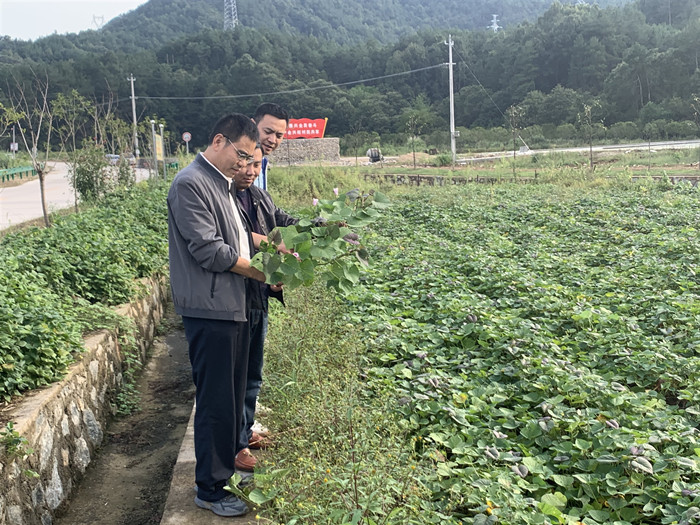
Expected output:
(64, 423)
(299, 151)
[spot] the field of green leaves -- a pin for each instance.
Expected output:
(542, 344)
(57, 283)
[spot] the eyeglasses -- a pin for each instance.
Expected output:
(241, 155)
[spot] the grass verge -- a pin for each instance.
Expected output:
(340, 454)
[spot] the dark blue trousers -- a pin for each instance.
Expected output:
(258, 330)
(219, 358)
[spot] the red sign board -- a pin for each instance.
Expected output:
(306, 128)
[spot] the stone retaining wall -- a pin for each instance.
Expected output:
(299, 151)
(64, 423)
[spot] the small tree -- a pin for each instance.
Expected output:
(587, 126)
(649, 131)
(71, 117)
(695, 105)
(30, 105)
(90, 174)
(8, 117)
(414, 121)
(515, 114)
(357, 138)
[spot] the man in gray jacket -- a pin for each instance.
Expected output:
(210, 247)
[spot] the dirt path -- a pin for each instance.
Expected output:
(127, 482)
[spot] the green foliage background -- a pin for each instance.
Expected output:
(54, 282)
(635, 63)
(515, 354)
(543, 341)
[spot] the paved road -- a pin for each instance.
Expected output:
(632, 146)
(22, 203)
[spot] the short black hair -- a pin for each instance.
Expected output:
(270, 108)
(234, 126)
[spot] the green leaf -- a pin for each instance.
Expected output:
(323, 252)
(380, 200)
(617, 502)
(289, 268)
(551, 510)
(601, 516)
(300, 238)
(557, 499)
(258, 497)
(532, 463)
(531, 431)
(686, 462)
(563, 481)
(352, 273)
(275, 236)
(643, 465)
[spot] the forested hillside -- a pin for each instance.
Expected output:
(341, 21)
(631, 74)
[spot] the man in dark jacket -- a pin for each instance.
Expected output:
(210, 247)
(264, 216)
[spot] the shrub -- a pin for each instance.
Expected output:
(679, 130)
(443, 159)
(623, 131)
(89, 173)
(49, 278)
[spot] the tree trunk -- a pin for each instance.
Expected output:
(42, 191)
(413, 147)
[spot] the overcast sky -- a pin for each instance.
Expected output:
(31, 19)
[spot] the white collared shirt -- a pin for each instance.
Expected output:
(244, 245)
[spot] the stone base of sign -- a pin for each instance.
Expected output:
(301, 151)
(64, 423)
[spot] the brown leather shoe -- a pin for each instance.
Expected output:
(259, 442)
(245, 460)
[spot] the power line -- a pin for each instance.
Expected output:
(288, 91)
(489, 95)
(481, 85)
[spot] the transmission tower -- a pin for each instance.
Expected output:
(230, 15)
(99, 21)
(494, 23)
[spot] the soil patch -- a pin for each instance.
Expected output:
(128, 480)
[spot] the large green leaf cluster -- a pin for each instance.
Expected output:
(544, 345)
(323, 244)
(50, 277)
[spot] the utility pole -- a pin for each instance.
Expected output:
(133, 113)
(453, 133)
(155, 156)
(162, 141)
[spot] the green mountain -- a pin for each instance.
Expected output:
(634, 66)
(340, 21)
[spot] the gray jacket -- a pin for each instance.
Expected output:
(204, 245)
